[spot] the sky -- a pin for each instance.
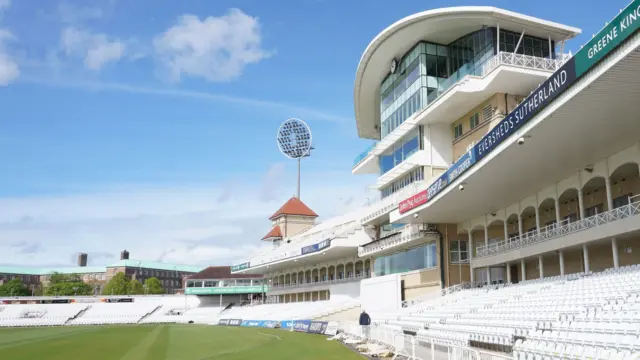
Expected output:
(150, 125)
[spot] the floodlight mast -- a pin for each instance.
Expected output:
(294, 141)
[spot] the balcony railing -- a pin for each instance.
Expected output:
(502, 58)
(408, 233)
(390, 202)
(555, 231)
(317, 283)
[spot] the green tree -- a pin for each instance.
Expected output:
(135, 288)
(57, 278)
(70, 288)
(154, 286)
(116, 286)
(14, 287)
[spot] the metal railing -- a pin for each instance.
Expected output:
(555, 231)
(525, 61)
(502, 58)
(324, 282)
(412, 347)
(408, 233)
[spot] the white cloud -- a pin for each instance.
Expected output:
(187, 225)
(215, 48)
(96, 50)
(9, 69)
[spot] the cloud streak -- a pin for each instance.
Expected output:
(190, 94)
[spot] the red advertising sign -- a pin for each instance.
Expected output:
(413, 202)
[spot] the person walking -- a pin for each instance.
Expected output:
(365, 322)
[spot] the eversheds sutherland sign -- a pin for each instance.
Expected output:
(619, 29)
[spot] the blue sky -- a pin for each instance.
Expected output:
(116, 133)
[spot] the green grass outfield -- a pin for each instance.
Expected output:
(166, 342)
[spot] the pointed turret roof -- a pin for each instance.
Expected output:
(294, 206)
(275, 233)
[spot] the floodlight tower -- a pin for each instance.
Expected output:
(294, 141)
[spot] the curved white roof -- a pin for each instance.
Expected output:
(439, 26)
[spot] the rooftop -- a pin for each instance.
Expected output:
(220, 272)
(275, 232)
(23, 270)
(294, 206)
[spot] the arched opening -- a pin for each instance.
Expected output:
(287, 279)
(547, 212)
(513, 229)
(496, 231)
(594, 197)
(349, 270)
(300, 277)
(367, 267)
(528, 216)
(569, 206)
(314, 275)
(307, 277)
(340, 272)
(332, 272)
(625, 184)
(323, 274)
(358, 268)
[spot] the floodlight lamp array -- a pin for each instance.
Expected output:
(294, 138)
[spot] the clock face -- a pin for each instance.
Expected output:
(394, 65)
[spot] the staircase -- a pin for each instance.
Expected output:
(77, 315)
(348, 314)
(150, 312)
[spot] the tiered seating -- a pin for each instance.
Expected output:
(115, 313)
(289, 311)
(166, 314)
(202, 315)
(39, 315)
(577, 316)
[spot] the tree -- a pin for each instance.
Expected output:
(14, 287)
(70, 288)
(153, 285)
(67, 285)
(116, 286)
(135, 288)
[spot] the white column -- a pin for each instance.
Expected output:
(541, 266)
(508, 273)
(486, 236)
(523, 270)
(607, 184)
(506, 231)
(520, 225)
(561, 259)
(585, 252)
(558, 218)
(488, 275)
(614, 248)
(537, 220)
(471, 251)
(580, 205)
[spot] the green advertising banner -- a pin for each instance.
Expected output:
(239, 267)
(226, 290)
(619, 29)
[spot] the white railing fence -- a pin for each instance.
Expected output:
(555, 231)
(408, 233)
(525, 61)
(413, 347)
(324, 282)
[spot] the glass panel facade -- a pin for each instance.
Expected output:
(417, 258)
(428, 70)
(400, 151)
(409, 178)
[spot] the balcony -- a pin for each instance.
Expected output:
(554, 231)
(385, 205)
(291, 287)
(409, 233)
(527, 62)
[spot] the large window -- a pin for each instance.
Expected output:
(458, 251)
(421, 257)
(413, 176)
(400, 151)
(529, 45)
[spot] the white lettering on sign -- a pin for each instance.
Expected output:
(606, 39)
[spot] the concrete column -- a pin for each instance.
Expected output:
(585, 252)
(488, 275)
(561, 260)
(537, 220)
(506, 231)
(541, 266)
(580, 205)
(558, 218)
(607, 183)
(486, 236)
(614, 248)
(520, 225)
(523, 270)
(471, 251)
(304, 296)
(508, 273)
